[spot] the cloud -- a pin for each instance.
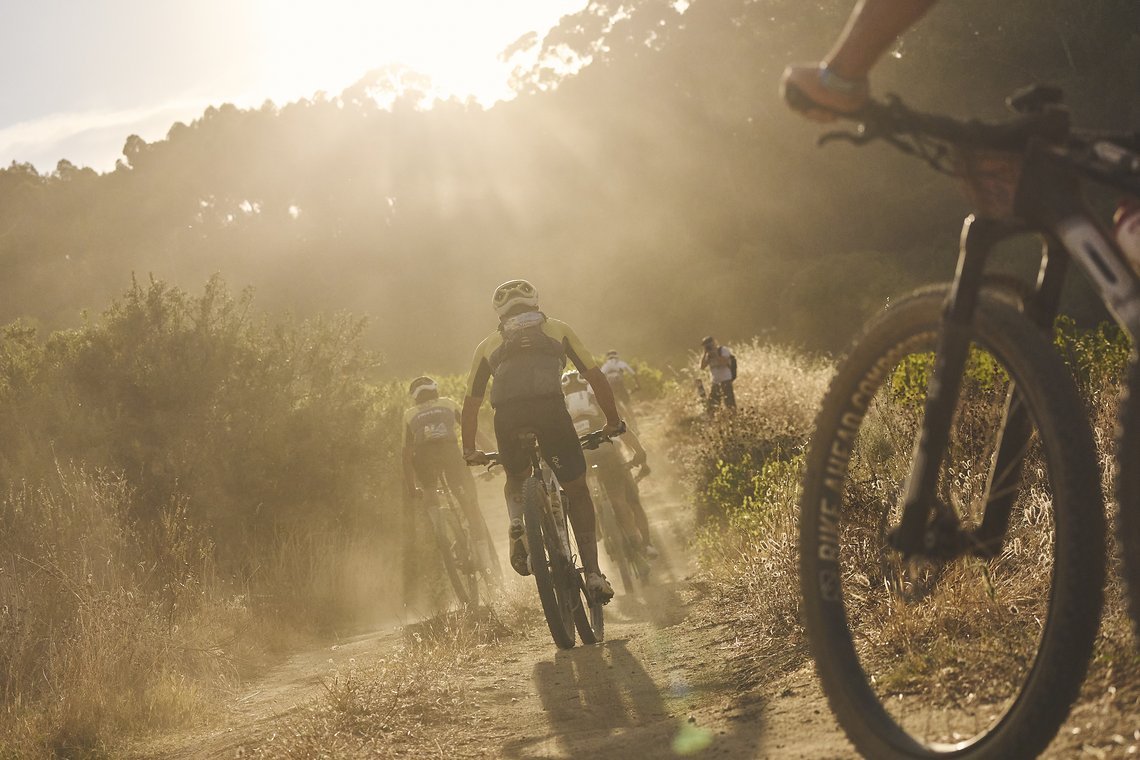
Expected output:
(90, 138)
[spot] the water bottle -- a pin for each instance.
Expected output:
(1126, 226)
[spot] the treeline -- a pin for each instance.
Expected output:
(664, 166)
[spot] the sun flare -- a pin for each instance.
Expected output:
(308, 46)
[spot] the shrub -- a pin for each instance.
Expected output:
(233, 474)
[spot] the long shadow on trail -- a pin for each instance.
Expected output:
(601, 702)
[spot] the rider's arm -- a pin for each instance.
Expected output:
(603, 393)
(477, 380)
(409, 470)
(469, 422)
(635, 444)
(632, 373)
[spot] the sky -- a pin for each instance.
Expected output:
(78, 76)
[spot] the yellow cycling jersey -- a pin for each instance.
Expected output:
(431, 421)
(526, 362)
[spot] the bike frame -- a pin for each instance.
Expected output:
(1049, 203)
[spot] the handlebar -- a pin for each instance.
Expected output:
(1041, 118)
(1040, 115)
(589, 441)
(595, 439)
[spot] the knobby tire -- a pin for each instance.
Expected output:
(1076, 578)
(447, 534)
(1128, 490)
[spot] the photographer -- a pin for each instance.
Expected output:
(721, 365)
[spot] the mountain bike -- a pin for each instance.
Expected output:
(626, 553)
(467, 551)
(561, 583)
(952, 522)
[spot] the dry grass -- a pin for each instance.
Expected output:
(103, 630)
(745, 469)
(110, 629)
(405, 703)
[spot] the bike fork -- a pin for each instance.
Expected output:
(915, 533)
(1005, 473)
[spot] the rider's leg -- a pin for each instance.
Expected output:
(516, 541)
(585, 525)
(509, 420)
(713, 400)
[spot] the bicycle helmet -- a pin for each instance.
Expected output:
(422, 385)
(511, 294)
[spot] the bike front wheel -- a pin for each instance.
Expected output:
(613, 538)
(1128, 491)
(963, 657)
(455, 551)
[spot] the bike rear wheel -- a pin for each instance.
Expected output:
(964, 657)
(546, 564)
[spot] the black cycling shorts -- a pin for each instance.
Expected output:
(548, 419)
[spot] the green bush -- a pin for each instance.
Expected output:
(754, 495)
(233, 475)
(257, 426)
(1097, 357)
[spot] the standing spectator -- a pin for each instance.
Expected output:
(721, 365)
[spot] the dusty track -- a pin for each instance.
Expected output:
(659, 686)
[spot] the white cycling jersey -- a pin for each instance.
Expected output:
(584, 410)
(614, 368)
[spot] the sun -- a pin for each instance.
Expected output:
(306, 45)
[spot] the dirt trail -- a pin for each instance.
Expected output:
(657, 687)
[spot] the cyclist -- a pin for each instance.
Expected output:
(615, 371)
(525, 355)
(612, 469)
(721, 364)
(431, 452)
(838, 84)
